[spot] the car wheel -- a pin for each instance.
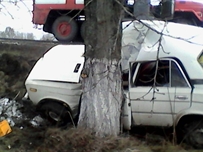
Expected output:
(193, 134)
(56, 113)
(65, 29)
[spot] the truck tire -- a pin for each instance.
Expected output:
(194, 134)
(65, 29)
(57, 114)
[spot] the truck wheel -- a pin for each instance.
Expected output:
(57, 114)
(65, 29)
(194, 134)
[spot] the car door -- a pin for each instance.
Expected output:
(154, 96)
(181, 90)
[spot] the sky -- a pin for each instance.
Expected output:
(18, 15)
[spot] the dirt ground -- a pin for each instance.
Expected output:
(16, 60)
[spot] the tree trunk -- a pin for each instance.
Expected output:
(102, 84)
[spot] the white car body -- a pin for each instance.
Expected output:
(53, 76)
(56, 76)
(165, 105)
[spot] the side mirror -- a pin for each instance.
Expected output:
(165, 9)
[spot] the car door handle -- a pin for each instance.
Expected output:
(181, 97)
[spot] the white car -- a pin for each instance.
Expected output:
(53, 84)
(167, 92)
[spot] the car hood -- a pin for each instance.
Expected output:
(60, 63)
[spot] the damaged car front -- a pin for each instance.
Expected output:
(53, 84)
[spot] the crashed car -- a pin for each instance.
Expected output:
(53, 83)
(163, 69)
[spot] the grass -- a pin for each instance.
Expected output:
(81, 140)
(50, 139)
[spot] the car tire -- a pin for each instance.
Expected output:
(193, 134)
(57, 114)
(65, 29)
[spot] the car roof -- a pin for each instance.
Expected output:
(180, 41)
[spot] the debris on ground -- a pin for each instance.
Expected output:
(10, 111)
(14, 69)
(37, 121)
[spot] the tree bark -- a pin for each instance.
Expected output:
(102, 84)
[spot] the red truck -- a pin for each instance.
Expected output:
(64, 18)
(188, 12)
(184, 11)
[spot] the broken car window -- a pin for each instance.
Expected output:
(168, 74)
(162, 78)
(147, 72)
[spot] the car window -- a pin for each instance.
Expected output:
(164, 77)
(147, 73)
(177, 78)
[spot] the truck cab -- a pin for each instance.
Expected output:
(184, 11)
(189, 12)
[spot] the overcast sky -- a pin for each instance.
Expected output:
(18, 16)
